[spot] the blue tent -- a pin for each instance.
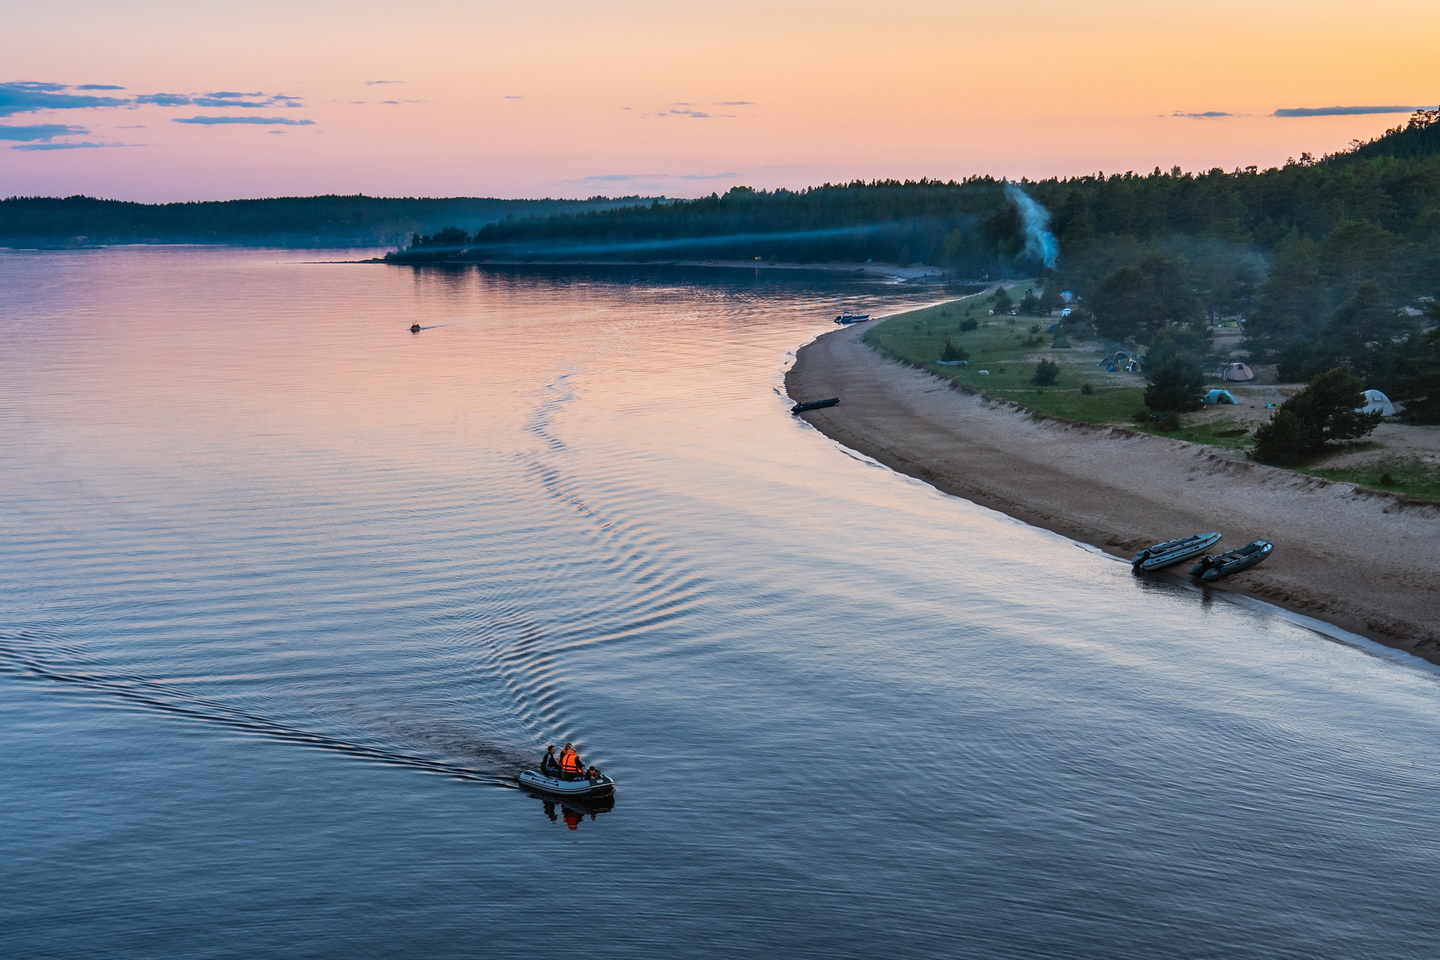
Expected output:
(1219, 396)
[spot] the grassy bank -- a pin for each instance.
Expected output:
(1002, 356)
(1002, 353)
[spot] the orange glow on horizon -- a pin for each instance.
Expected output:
(641, 97)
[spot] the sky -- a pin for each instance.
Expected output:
(161, 100)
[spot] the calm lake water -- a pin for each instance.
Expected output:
(288, 593)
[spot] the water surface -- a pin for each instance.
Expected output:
(288, 593)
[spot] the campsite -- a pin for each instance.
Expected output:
(1102, 382)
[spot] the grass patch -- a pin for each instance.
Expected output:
(1226, 434)
(1411, 478)
(1006, 348)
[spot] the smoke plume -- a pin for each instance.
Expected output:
(1040, 243)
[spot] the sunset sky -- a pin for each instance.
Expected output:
(163, 100)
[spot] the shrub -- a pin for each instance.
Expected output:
(1282, 441)
(1321, 415)
(968, 324)
(1046, 373)
(1086, 389)
(1177, 385)
(951, 353)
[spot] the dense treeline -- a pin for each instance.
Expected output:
(1330, 262)
(927, 221)
(281, 221)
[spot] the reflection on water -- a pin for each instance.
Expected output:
(572, 811)
(245, 510)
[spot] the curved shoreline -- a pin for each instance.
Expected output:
(1366, 562)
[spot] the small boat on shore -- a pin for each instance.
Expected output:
(849, 318)
(814, 405)
(598, 787)
(1213, 568)
(1173, 551)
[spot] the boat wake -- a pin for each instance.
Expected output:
(18, 655)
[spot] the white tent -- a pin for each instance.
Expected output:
(1237, 373)
(1377, 401)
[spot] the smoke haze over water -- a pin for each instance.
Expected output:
(1040, 243)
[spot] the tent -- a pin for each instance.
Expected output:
(1219, 396)
(1377, 401)
(1237, 373)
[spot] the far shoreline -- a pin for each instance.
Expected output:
(914, 273)
(1360, 560)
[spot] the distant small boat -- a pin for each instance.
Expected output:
(598, 787)
(414, 328)
(1213, 568)
(847, 318)
(1173, 551)
(814, 405)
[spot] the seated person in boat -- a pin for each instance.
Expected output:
(593, 773)
(571, 768)
(549, 765)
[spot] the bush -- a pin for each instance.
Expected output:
(1282, 441)
(1046, 373)
(1086, 389)
(952, 354)
(1320, 416)
(1177, 385)
(968, 324)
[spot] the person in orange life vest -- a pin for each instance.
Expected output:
(570, 766)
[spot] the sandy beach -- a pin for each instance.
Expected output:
(1366, 562)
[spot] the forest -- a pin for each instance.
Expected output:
(1329, 262)
(333, 221)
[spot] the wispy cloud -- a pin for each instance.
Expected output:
(40, 131)
(1204, 115)
(32, 96)
(736, 103)
(222, 100)
(265, 121)
(1338, 111)
(650, 177)
(29, 97)
(376, 83)
(70, 146)
(696, 114)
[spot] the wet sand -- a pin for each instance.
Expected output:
(1364, 561)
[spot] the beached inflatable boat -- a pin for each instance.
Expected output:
(814, 405)
(1213, 568)
(598, 787)
(1173, 551)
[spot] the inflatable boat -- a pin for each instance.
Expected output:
(582, 787)
(1213, 568)
(1173, 551)
(814, 405)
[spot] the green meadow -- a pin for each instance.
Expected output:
(1003, 352)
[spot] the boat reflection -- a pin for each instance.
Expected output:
(572, 810)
